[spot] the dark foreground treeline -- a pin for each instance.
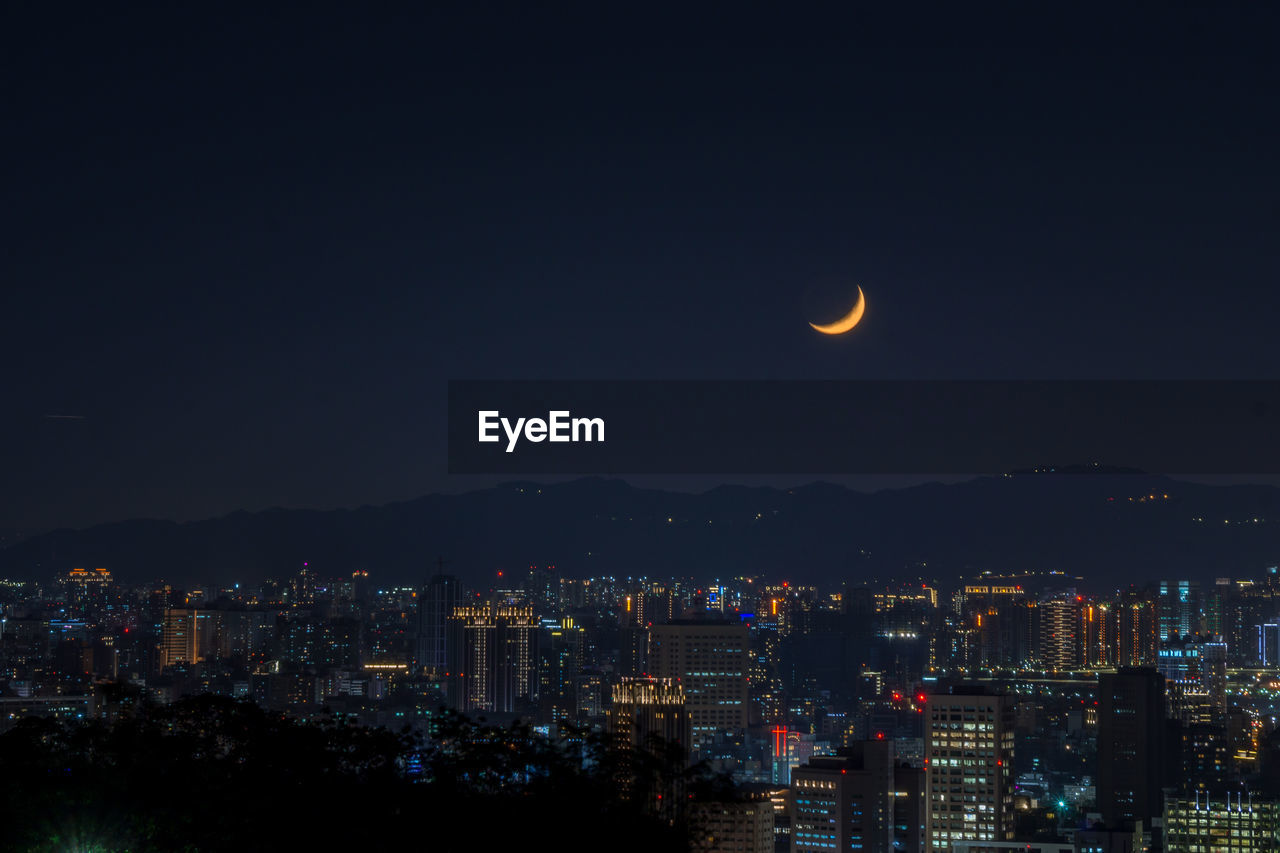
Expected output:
(210, 773)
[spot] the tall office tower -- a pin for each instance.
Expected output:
(1133, 747)
(541, 586)
(559, 665)
(845, 802)
(1195, 671)
(1268, 650)
(710, 660)
(644, 708)
(1060, 629)
(436, 602)
(633, 633)
(188, 636)
(650, 715)
(998, 627)
(1217, 607)
(1179, 609)
(1226, 823)
(1136, 630)
(909, 808)
(1213, 672)
(968, 765)
(494, 657)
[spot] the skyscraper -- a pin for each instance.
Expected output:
(559, 665)
(648, 708)
(845, 803)
(1133, 752)
(709, 659)
(1061, 642)
(436, 602)
(1179, 609)
(1135, 630)
(493, 664)
(188, 636)
(968, 764)
(909, 807)
(649, 725)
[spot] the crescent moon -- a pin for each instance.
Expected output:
(848, 321)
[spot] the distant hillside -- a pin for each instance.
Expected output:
(1108, 528)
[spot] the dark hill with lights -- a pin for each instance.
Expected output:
(1110, 529)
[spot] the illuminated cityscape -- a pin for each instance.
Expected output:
(1005, 710)
(752, 428)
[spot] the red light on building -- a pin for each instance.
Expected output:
(897, 697)
(879, 735)
(921, 698)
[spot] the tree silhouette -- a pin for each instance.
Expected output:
(209, 773)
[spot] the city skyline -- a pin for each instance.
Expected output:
(738, 430)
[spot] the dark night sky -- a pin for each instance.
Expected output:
(249, 249)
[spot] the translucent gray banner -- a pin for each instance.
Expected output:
(862, 427)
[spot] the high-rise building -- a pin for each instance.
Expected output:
(1136, 630)
(1217, 607)
(710, 661)
(436, 602)
(1195, 671)
(645, 708)
(791, 748)
(246, 635)
(87, 590)
(1133, 748)
(188, 636)
(1268, 650)
(1061, 642)
(968, 764)
(1179, 609)
(649, 717)
(559, 665)
(494, 657)
(1098, 635)
(1231, 823)
(845, 803)
(1213, 672)
(909, 806)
